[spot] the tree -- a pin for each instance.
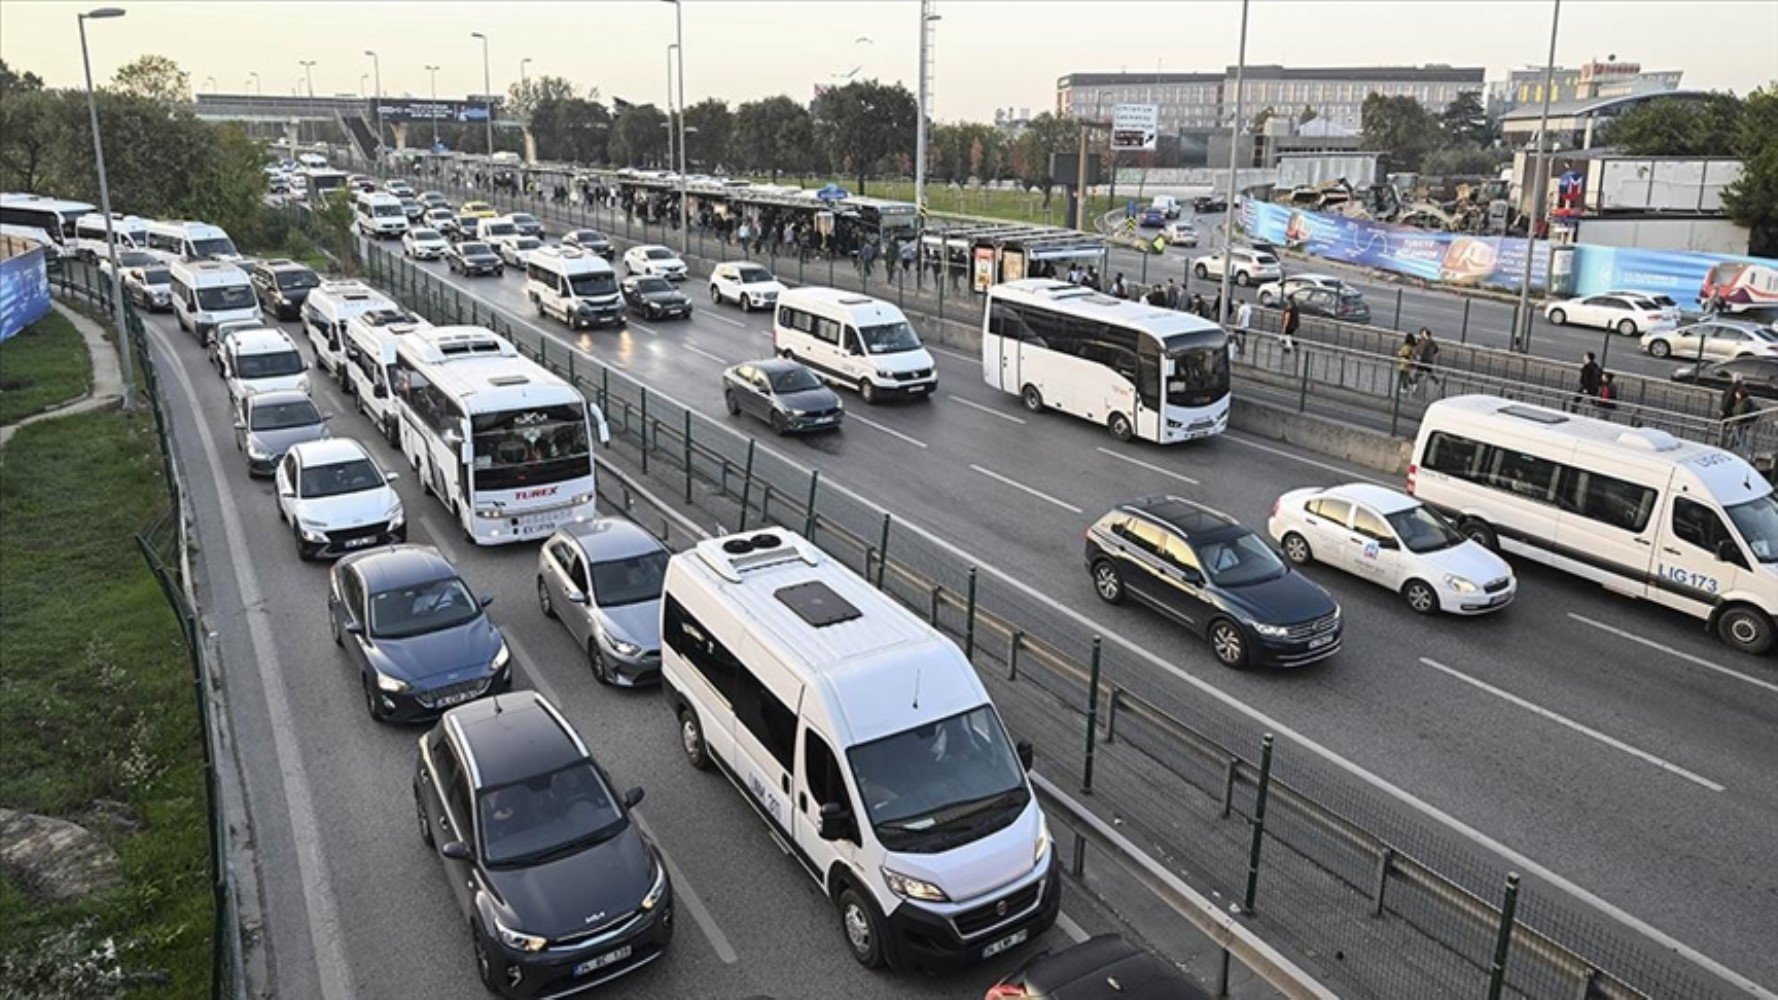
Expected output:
(523, 98)
(156, 78)
(1752, 200)
(773, 135)
(18, 83)
(639, 136)
(707, 147)
(862, 124)
(30, 127)
(1465, 121)
(1462, 160)
(1671, 126)
(1400, 127)
(573, 129)
(1047, 134)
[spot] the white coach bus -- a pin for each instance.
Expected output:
(1138, 370)
(502, 442)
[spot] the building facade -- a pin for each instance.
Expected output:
(1589, 81)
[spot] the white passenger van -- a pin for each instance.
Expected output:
(1643, 513)
(53, 217)
(575, 286)
(208, 292)
(855, 341)
(495, 231)
(325, 312)
(379, 214)
(261, 361)
(191, 241)
(89, 234)
(370, 339)
(867, 744)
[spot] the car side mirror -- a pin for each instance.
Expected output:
(456, 850)
(1190, 575)
(1726, 551)
(1027, 753)
(240, 425)
(486, 599)
(836, 822)
(633, 797)
(354, 628)
(577, 597)
(287, 494)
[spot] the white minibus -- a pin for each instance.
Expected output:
(208, 292)
(855, 341)
(325, 312)
(191, 241)
(575, 286)
(89, 234)
(370, 364)
(379, 214)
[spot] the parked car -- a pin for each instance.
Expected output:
(1151, 218)
(1344, 303)
(1395, 541)
(473, 257)
(283, 286)
(1105, 967)
(1246, 267)
(559, 886)
(654, 260)
(655, 298)
(1209, 204)
(516, 250)
(1758, 374)
(336, 499)
(527, 224)
(787, 395)
(1272, 293)
(602, 580)
(425, 244)
(416, 635)
(268, 423)
(746, 284)
(1713, 339)
(1628, 315)
(1208, 572)
(590, 240)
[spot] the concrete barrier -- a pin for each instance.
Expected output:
(1334, 438)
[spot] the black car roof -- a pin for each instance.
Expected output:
(1191, 521)
(399, 566)
(511, 737)
(1082, 973)
(775, 366)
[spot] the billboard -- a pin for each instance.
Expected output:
(1134, 127)
(431, 111)
(24, 291)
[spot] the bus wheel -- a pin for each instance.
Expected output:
(1478, 531)
(1033, 399)
(1745, 628)
(1120, 428)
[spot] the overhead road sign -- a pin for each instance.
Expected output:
(1135, 127)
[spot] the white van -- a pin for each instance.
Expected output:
(89, 234)
(575, 286)
(853, 340)
(1643, 513)
(495, 231)
(379, 214)
(867, 744)
(370, 363)
(325, 312)
(208, 292)
(191, 241)
(261, 361)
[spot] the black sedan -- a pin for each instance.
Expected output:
(417, 636)
(1101, 968)
(527, 224)
(1759, 375)
(560, 887)
(474, 257)
(1209, 203)
(655, 298)
(590, 240)
(783, 393)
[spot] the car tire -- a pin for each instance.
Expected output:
(868, 391)
(715, 296)
(1265, 298)
(544, 604)
(691, 740)
(1227, 643)
(304, 553)
(1420, 597)
(484, 963)
(1297, 550)
(1242, 279)
(595, 659)
(1201, 271)
(732, 404)
(333, 626)
(1659, 348)
(745, 303)
(863, 930)
(1745, 629)
(425, 824)
(1120, 427)
(1558, 317)
(1108, 583)
(1479, 531)
(778, 426)
(1033, 399)
(370, 699)
(1627, 327)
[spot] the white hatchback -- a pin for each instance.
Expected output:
(653, 259)
(336, 499)
(424, 244)
(1395, 541)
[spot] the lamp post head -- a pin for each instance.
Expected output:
(99, 13)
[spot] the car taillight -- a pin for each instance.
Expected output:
(1413, 471)
(1005, 991)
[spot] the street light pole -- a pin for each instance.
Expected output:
(434, 71)
(926, 19)
(679, 41)
(308, 66)
(1521, 315)
(376, 66)
(1228, 215)
(257, 89)
(672, 47)
(488, 90)
(117, 317)
(523, 79)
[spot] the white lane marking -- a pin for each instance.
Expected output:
(1669, 650)
(326, 935)
(1145, 465)
(1281, 453)
(1070, 928)
(713, 314)
(630, 323)
(1584, 730)
(700, 351)
(1015, 484)
(953, 354)
(892, 432)
(990, 411)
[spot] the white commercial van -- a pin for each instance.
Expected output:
(370, 363)
(495, 231)
(575, 286)
(191, 241)
(853, 340)
(89, 234)
(261, 361)
(379, 214)
(208, 292)
(867, 744)
(1643, 513)
(325, 312)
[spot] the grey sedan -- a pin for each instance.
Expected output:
(784, 394)
(270, 422)
(602, 579)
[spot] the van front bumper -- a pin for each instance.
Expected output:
(923, 387)
(921, 939)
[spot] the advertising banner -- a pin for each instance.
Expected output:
(24, 291)
(431, 111)
(1135, 127)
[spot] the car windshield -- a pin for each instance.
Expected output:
(386, 210)
(156, 276)
(941, 784)
(889, 338)
(603, 283)
(520, 448)
(547, 815)
(521, 219)
(650, 286)
(222, 298)
(658, 253)
(214, 247)
(419, 608)
(425, 235)
(1756, 521)
(270, 365)
(354, 476)
(438, 215)
(283, 416)
(632, 580)
(794, 380)
(473, 249)
(1238, 561)
(753, 275)
(1422, 529)
(292, 281)
(136, 258)
(590, 236)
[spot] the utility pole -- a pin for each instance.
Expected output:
(1228, 216)
(117, 316)
(488, 91)
(308, 66)
(434, 71)
(927, 18)
(679, 39)
(376, 65)
(1521, 313)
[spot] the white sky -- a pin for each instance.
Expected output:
(987, 54)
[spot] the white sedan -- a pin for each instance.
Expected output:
(1395, 541)
(336, 499)
(655, 260)
(424, 244)
(1713, 339)
(516, 251)
(1274, 293)
(745, 284)
(1629, 315)
(1179, 233)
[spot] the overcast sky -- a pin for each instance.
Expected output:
(987, 54)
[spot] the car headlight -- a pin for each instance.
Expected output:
(393, 685)
(658, 890)
(1461, 585)
(1272, 631)
(625, 648)
(502, 658)
(302, 384)
(255, 452)
(519, 940)
(396, 517)
(309, 522)
(908, 887)
(885, 374)
(1043, 839)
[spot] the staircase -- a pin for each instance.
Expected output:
(363, 138)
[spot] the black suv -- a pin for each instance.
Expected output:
(590, 240)
(283, 286)
(562, 889)
(1205, 570)
(655, 298)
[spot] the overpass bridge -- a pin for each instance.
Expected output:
(356, 116)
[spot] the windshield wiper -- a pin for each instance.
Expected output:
(930, 822)
(567, 847)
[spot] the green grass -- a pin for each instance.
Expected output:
(44, 365)
(96, 702)
(991, 203)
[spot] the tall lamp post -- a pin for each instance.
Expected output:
(487, 88)
(376, 68)
(523, 79)
(926, 20)
(679, 43)
(1228, 217)
(253, 78)
(308, 66)
(117, 317)
(1521, 313)
(434, 71)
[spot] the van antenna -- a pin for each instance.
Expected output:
(916, 687)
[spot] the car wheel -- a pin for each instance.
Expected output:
(1265, 298)
(1108, 582)
(484, 963)
(543, 601)
(1227, 644)
(1420, 596)
(732, 404)
(1659, 348)
(1477, 530)
(1627, 327)
(715, 296)
(333, 626)
(425, 825)
(1201, 271)
(595, 658)
(304, 551)
(868, 390)
(370, 699)
(745, 303)
(1033, 399)
(1745, 628)
(779, 427)
(1242, 279)
(691, 740)
(1120, 428)
(1296, 549)
(863, 930)
(1558, 317)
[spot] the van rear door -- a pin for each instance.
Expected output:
(1609, 525)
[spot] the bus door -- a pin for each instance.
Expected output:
(1151, 372)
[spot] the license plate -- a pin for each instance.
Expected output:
(923, 388)
(456, 699)
(1322, 641)
(609, 958)
(1017, 937)
(359, 543)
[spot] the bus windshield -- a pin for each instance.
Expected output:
(1200, 372)
(889, 338)
(223, 298)
(520, 448)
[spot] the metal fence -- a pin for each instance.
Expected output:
(164, 545)
(1368, 888)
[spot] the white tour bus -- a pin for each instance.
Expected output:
(855, 341)
(575, 286)
(1643, 513)
(865, 741)
(501, 441)
(370, 364)
(319, 182)
(379, 214)
(1138, 370)
(208, 292)
(191, 241)
(89, 234)
(325, 311)
(53, 217)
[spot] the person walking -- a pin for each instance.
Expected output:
(1196, 306)
(1404, 365)
(1157, 296)
(1292, 320)
(907, 258)
(1118, 289)
(1243, 323)
(1426, 359)
(1171, 298)
(1741, 412)
(1607, 399)
(1727, 402)
(1590, 373)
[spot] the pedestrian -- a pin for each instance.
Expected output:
(907, 259)
(1607, 399)
(1292, 320)
(1425, 358)
(1741, 413)
(1243, 315)
(1157, 296)
(1589, 378)
(1118, 289)
(1093, 279)
(1404, 365)
(1171, 298)
(1728, 396)
(1197, 304)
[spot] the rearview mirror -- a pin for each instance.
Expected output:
(287, 494)
(353, 628)
(633, 797)
(1727, 552)
(380, 392)
(486, 599)
(836, 822)
(456, 850)
(1190, 575)
(576, 597)
(1027, 753)
(240, 425)
(389, 477)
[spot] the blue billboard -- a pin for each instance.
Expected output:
(24, 292)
